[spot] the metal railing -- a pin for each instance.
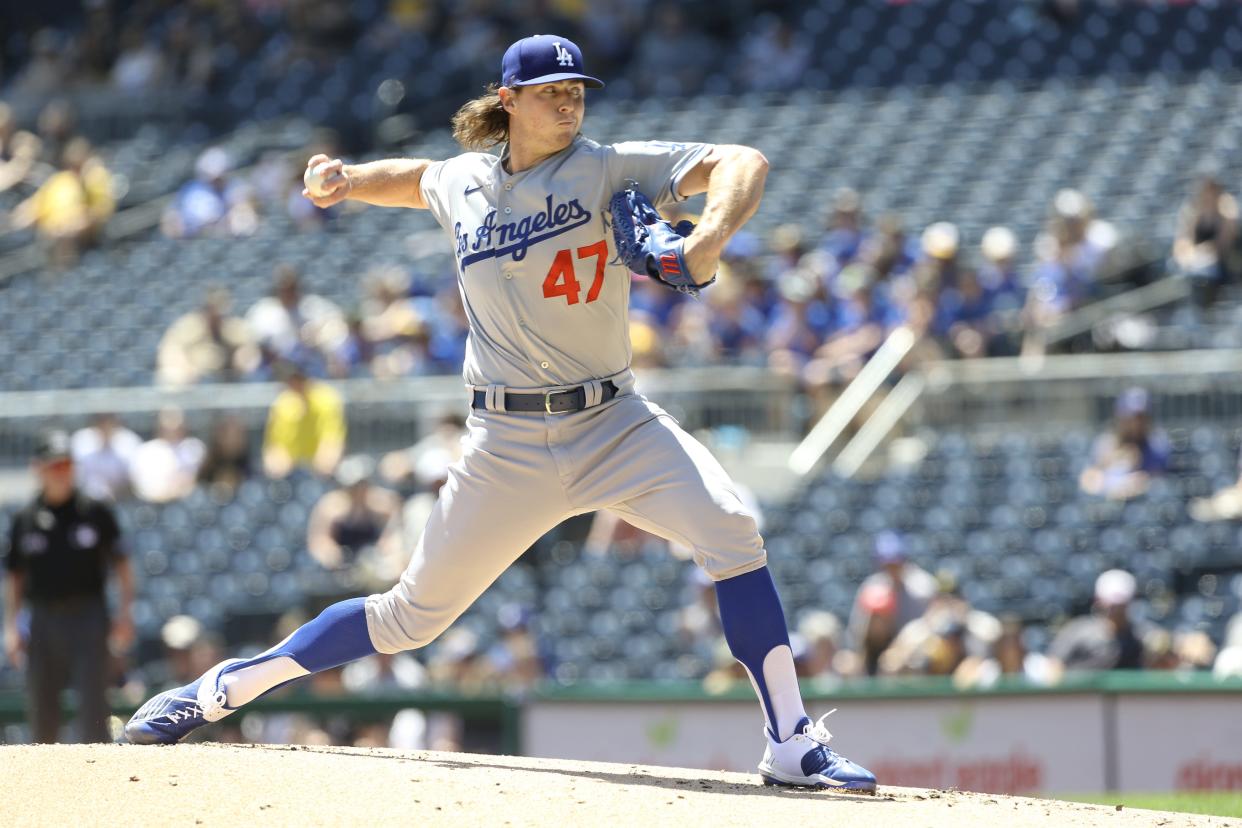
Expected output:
(1038, 394)
(388, 415)
(1046, 393)
(825, 433)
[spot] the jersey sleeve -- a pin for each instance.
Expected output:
(656, 166)
(14, 561)
(432, 185)
(109, 530)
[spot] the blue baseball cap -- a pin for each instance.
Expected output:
(544, 59)
(1132, 401)
(889, 548)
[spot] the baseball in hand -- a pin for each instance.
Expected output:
(321, 183)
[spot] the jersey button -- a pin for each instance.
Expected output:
(543, 365)
(508, 186)
(508, 210)
(508, 275)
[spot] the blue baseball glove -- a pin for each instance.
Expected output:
(650, 244)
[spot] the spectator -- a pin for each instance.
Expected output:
(305, 425)
(446, 345)
(1206, 248)
(691, 336)
(206, 345)
(698, 621)
(70, 209)
(62, 548)
(422, 469)
(139, 65)
(1228, 663)
(1071, 251)
(388, 308)
(1124, 459)
(965, 317)
(1225, 504)
(20, 152)
(354, 353)
(798, 325)
(1009, 659)
(227, 460)
(821, 632)
(101, 454)
(949, 637)
(998, 275)
(1106, 639)
(56, 127)
(937, 267)
(1195, 650)
(515, 659)
(845, 236)
(357, 525)
(210, 204)
(873, 625)
(888, 599)
(864, 317)
(166, 467)
(737, 326)
(290, 325)
(424, 465)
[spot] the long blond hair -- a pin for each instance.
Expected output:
(482, 123)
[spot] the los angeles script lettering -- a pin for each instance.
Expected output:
(515, 236)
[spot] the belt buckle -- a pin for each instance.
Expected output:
(547, 402)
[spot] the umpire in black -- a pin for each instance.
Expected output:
(62, 547)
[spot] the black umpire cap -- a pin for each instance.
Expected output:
(52, 445)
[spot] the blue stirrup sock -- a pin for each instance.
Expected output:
(336, 636)
(754, 627)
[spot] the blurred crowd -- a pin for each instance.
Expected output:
(145, 47)
(906, 621)
(393, 331)
(812, 306)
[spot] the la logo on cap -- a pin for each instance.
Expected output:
(563, 57)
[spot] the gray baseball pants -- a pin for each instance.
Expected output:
(521, 474)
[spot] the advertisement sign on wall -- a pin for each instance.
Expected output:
(997, 744)
(1179, 742)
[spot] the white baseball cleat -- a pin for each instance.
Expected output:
(805, 760)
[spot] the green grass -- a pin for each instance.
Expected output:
(1206, 802)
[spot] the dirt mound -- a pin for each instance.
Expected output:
(80, 785)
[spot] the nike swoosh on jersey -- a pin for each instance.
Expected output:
(470, 190)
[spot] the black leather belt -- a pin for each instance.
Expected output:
(554, 402)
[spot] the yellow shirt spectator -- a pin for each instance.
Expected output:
(70, 201)
(305, 427)
(75, 200)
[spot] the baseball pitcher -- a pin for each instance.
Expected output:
(545, 234)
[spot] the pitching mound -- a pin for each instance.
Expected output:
(257, 785)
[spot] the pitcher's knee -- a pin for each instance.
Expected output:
(396, 623)
(731, 548)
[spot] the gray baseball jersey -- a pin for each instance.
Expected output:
(545, 296)
(548, 307)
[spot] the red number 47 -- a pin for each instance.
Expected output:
(561, 281)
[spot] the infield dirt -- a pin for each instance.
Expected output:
(243, 785)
